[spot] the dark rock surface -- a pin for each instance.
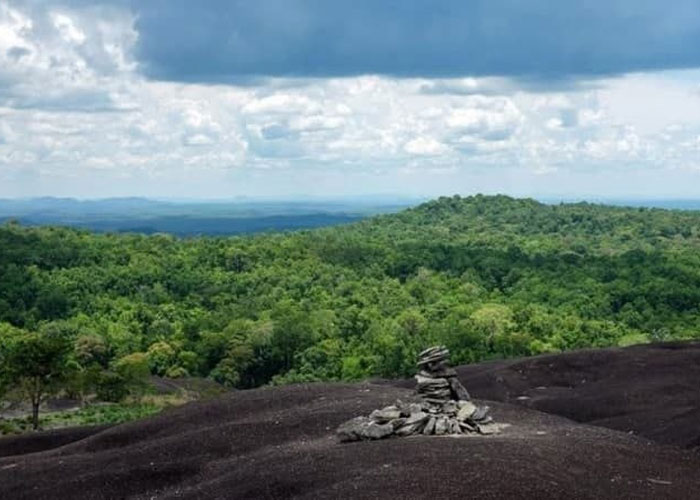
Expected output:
(280, 442)
(650, 390)
(42, 441)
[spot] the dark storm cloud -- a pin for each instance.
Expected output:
(229, 40)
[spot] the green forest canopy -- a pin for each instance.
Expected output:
(489, 276)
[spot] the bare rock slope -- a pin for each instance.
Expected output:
(651, 390)
(280, 442)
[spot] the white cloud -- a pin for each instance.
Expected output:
(489, 118)
(67, 28)
(424, 146)
(76, 117)
(281, 104)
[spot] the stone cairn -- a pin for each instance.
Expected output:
(444, 407)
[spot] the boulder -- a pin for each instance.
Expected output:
(385, 415)
(409, 429)
(360, 428)
(480, 413)
(431, 382)
(466, 426)
(440, 426)
(418, 417)
(429, 426)
(458, 391)
(466, 410)
(487, 429)
(450, 408)
(398, 422)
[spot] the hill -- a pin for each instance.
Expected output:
(491, 277)
(275, 443)
(646, 390)
(191, 218)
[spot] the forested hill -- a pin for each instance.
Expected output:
(487, 276)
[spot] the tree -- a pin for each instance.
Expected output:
(89, 361)
(291, 334)
(486, 276)
(133, 369)
(161, 357)
(35, 365)
(91, 349)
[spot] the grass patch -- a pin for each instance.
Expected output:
(97, 414)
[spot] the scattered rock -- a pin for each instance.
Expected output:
(397, 423)
(441, 426)
(458, 390)
(417, 417)
(387, 414)
(466, 411)
(430, 426)
(658, 481)
(445, 407)
(487, 429)
(360, 428)
(466, 426)
(480, 413)
(407, 430)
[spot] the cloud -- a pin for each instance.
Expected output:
(424, 146)
(508, 85)
(551, 40)
(57, 58)
(468, 86)
(88, 100)
(281, 103)
(79, 117)
(567, 118)
(198, 140)
(489, 119)
(17, 53)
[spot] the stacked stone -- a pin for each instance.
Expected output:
(436, 381)
(444, 407)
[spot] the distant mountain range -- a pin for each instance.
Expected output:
(225, 217)
(189, 218)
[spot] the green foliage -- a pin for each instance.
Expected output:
(489, 277)
(91, 349)
(161, 357)
(632, 339)
(133, 367)
(100, 414)
(134, 371)
(111, 386)
(34, 365)
(106, 414)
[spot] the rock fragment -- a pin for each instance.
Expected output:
(385, 415)
(466, 411)
(430, 426)
(458, 390)
(441, 426)
(445, 407)
(360, 428)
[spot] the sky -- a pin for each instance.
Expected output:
(339, 98)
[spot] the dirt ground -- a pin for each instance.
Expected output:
(629, 430)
